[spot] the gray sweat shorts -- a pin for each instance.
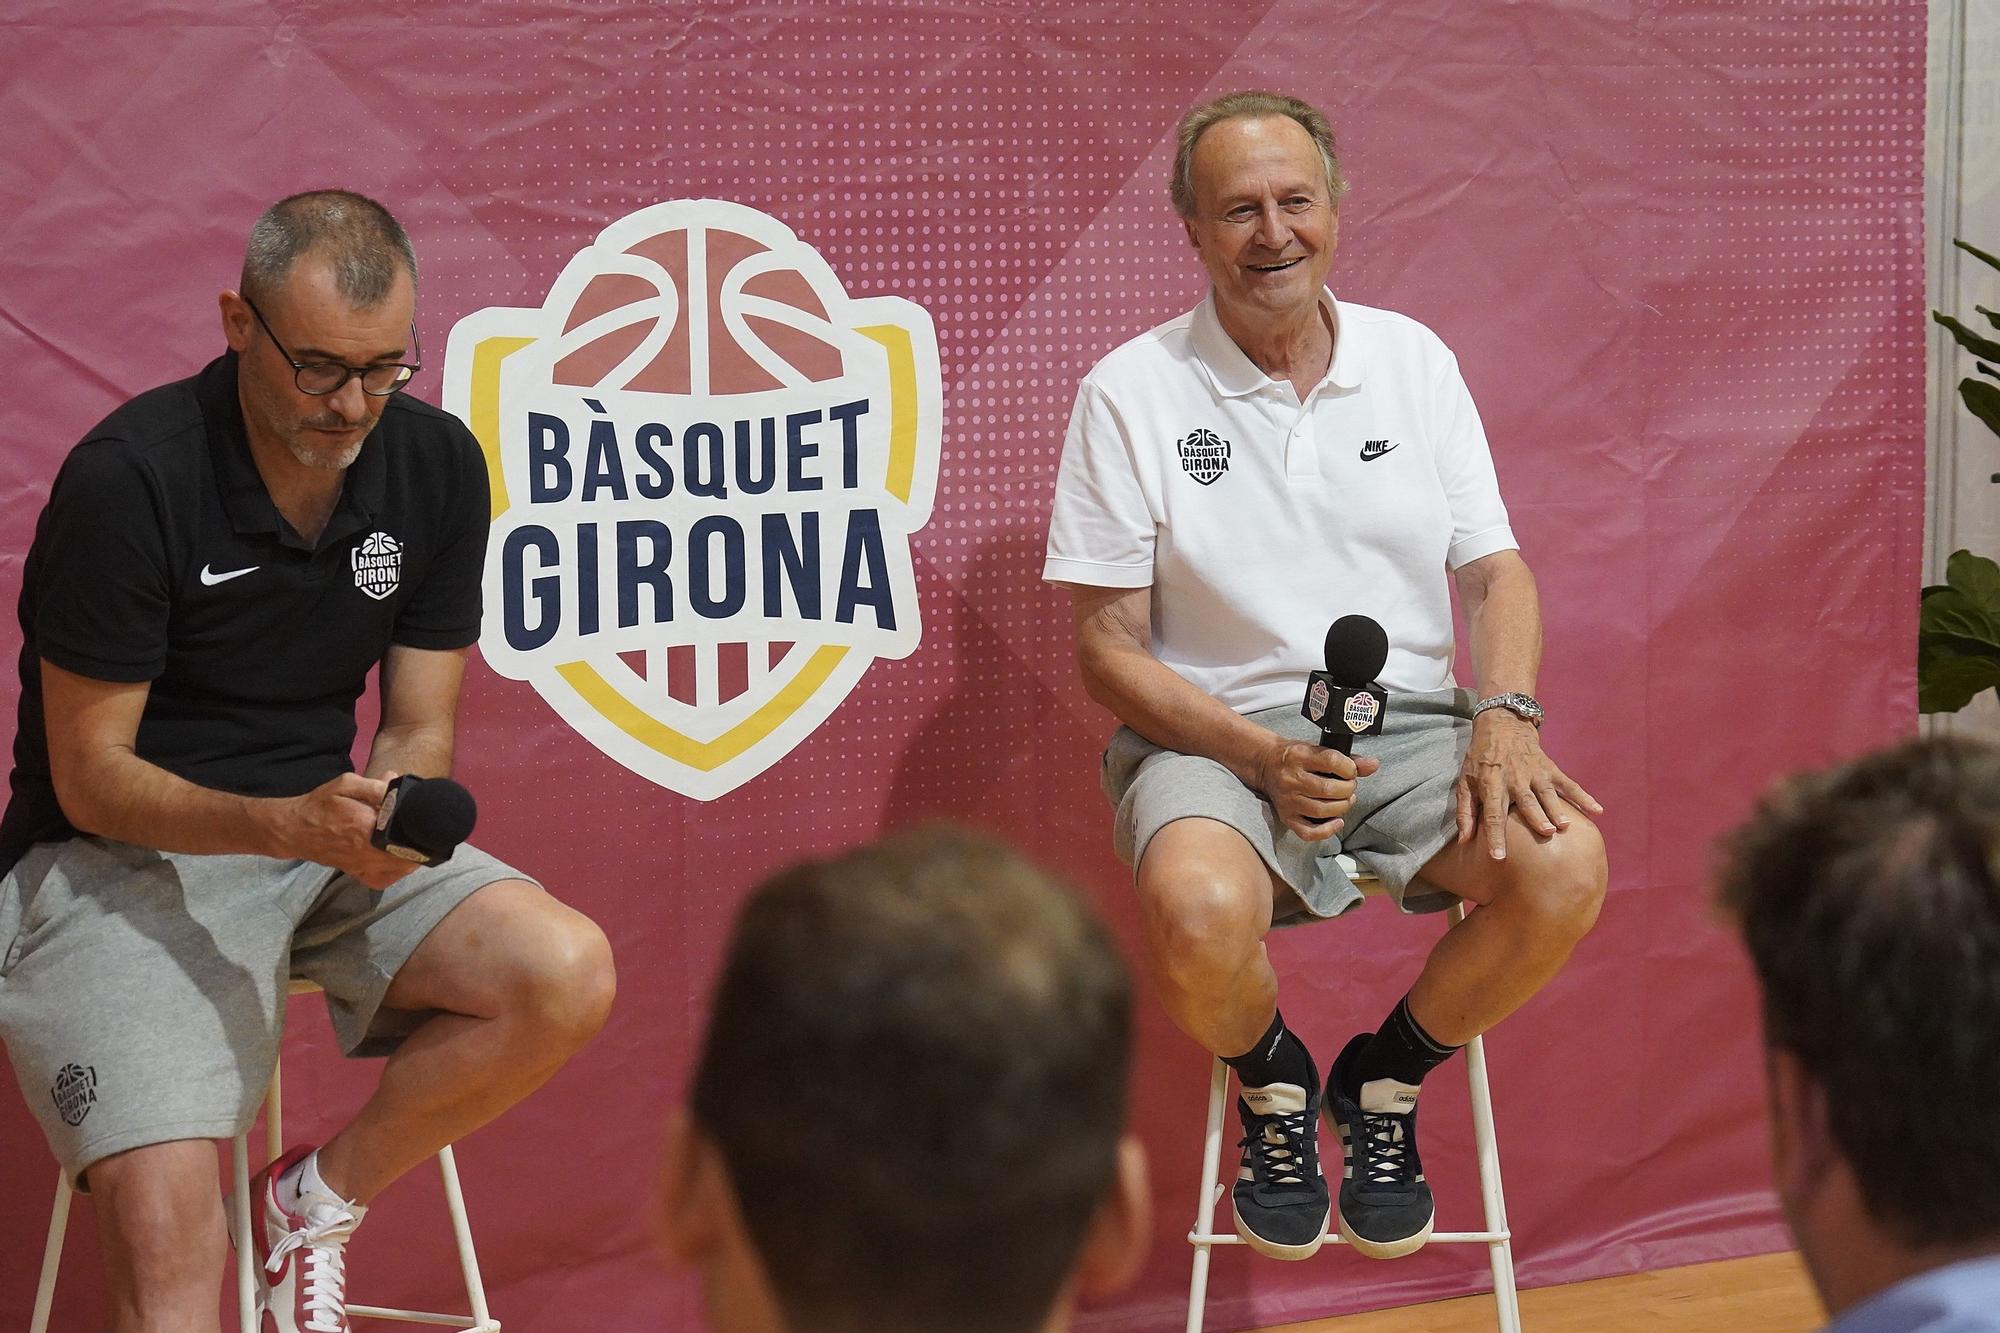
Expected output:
(1403, 815)
(142, 993)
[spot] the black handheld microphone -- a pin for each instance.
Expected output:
(424, 819)
(1344, 699)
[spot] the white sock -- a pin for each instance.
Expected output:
(303, 1179)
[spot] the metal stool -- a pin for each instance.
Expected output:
(1497, 1239)
(241, 1220)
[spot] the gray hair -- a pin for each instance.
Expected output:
(361, 240)
(1255, 105)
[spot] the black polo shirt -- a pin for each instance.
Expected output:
(160, 557)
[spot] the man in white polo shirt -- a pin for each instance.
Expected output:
(1232, 481)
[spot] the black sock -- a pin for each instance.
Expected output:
(1400, 1049)
(1278, 1057)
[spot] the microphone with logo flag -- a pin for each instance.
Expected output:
(424, 819)
(1344, 701)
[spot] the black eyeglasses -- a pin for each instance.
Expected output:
(320, 378)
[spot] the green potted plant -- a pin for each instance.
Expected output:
(1958, 625)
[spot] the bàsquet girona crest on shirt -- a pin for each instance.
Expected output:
(1204, 455)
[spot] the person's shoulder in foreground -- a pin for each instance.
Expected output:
(1868, 896)
(1959, 1298)
(908, 1111)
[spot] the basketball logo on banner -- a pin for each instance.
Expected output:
(707, 464)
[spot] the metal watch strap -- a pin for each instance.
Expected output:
(1523, 706)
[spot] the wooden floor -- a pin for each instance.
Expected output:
(1769, 1293)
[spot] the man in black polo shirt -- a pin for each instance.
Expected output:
(220, 564)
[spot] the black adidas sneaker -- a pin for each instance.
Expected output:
(1386, 1208)
(1281, 1197)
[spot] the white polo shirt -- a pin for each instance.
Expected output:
(1258, 521)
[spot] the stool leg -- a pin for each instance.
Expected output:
(45, 1293)
(247, 1216)
(1501, 1251)
(1204, 1217)
(246, 1254)
(274, 1115)
(1486, 1145)
(461, 1230)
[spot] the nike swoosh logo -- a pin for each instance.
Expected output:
(209, 578)
(1369, 452)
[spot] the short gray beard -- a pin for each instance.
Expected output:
(324, 462)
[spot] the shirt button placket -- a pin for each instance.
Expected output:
(1301, 448)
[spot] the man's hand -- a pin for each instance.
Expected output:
(1292, 777)
(332, 824)
(1505, 768)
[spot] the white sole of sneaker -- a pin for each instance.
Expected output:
(1395, 1249)
(1271, 1249)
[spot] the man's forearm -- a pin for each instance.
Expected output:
(419, 712)
(1155, 701)
(120, 796)
(424, 750)
(1505, 620)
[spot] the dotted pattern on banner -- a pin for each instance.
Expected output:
(1673, 242)
(950, 158)
(1734, 332)
(1789, 395)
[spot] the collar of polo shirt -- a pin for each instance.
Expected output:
(1235, 375)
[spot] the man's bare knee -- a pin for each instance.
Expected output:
(160, 1226)
(560, 985)
(575, 982)
(1560, 890)
(1207, 904)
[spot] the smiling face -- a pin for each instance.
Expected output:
(322, 432)
(1263, 223)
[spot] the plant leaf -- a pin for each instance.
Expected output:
(1950, 645)
(1937, 649)
(1975, 576)
(1932, 651)
(1953, 613)
(1985, 369)
(1949, 684)
(1983, 400)
(1970, 339)
(1968, 609)
(1992, 316)
(1977, 253)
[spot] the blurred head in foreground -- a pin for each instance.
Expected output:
(1869, 899)
(909, 1109)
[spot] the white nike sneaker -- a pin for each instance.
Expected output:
(302, 1278)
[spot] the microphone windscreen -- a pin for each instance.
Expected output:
(1356, 649)
(434, 814)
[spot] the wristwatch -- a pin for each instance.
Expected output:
(1521, 705)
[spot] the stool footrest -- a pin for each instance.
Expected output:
(1335, 1238)
(464, 1321)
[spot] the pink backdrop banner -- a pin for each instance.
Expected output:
(1676, 245)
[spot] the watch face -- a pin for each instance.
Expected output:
(1520, 705)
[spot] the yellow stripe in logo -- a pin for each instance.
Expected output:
(485, 423)
(902, 406)
(649, 731)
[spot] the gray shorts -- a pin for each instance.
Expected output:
(1403, 815)
(142, 993)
